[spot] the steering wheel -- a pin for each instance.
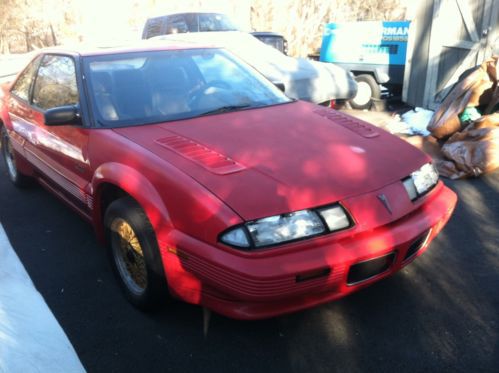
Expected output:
(201, 91)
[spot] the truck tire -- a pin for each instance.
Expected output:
(367, 89)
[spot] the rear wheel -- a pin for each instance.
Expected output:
(134, 254)
(9, 157)
(367, 90)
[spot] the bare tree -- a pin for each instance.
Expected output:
(302, 21)
(29, 24)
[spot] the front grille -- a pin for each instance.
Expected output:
(417, 244)
(365, 270)
(312, 275)
(262, 288)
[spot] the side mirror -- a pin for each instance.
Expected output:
(62, 115)
(280, 85)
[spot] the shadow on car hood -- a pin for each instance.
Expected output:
(282, 158)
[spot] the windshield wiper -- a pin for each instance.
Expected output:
(225, 109)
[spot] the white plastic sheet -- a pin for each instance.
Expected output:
(417, 120)
(31, 339)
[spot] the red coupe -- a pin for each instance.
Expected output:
(203, 178)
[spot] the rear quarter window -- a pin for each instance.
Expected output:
(153, 27)
(177, 24)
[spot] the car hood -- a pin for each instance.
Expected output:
(273, 160)
(303, 79)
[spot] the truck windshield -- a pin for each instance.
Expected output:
(158, 86)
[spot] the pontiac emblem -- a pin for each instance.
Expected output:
(385, 202)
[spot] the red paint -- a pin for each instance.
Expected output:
(195, 178)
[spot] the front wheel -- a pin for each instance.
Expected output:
(134, 254)
(367, 90)
(9, 157)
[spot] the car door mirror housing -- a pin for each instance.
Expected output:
(62, 115)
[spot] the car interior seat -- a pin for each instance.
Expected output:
(102, 86)
(133, 96)
(170, 91)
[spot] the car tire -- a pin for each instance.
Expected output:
(16, 177)
(134, 254)
(367, 90)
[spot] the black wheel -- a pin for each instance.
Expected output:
(9, 157)
(134, 254)
(367, 89)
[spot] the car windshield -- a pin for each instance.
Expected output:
(158, 86)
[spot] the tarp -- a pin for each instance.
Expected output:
(470, 142)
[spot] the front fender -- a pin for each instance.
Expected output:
(137, 186)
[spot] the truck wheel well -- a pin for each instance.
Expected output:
(357, 73)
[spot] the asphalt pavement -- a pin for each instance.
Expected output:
(31, 339)
(441, 313)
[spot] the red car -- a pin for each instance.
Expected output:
(202, 177)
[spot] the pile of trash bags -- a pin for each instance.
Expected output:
(466, 125)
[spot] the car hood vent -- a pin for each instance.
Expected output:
(346, 121)
(200, 154)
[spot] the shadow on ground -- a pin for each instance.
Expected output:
(441, 313)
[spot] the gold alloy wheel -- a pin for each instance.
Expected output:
(129, 256)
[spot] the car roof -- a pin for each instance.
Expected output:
(142, 46)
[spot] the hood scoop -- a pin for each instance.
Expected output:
(200, 154)
(352, 124)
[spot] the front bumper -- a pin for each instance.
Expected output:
(304, 274)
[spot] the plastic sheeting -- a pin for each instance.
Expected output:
(473, 151)
(470, 145)
(31, 339)
(418, 120)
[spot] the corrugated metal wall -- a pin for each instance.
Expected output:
(417, 54)
(446, 38)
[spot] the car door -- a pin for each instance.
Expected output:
(59, 152)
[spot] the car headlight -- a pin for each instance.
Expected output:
(287, 227)
(421, 181)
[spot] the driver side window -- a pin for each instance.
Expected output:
(55, 83)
